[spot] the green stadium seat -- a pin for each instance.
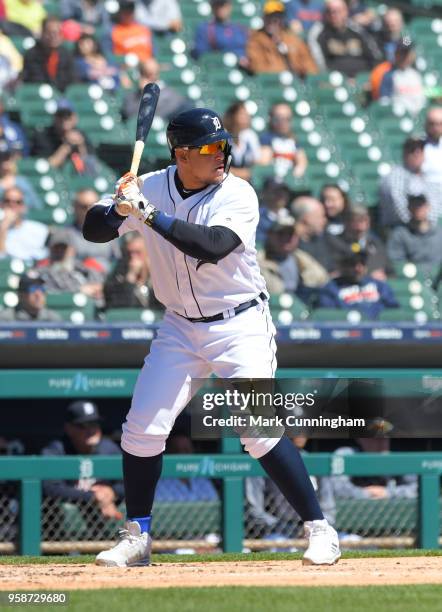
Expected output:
(67, 299)
(144, 315)
(396, 315)
(329, 314)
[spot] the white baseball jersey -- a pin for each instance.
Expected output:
(179, 283)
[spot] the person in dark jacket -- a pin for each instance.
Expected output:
(354, 289)
(83, 436)
(358, 232)
(48, 61)
(339, 44)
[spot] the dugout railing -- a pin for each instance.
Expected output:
(230, 468)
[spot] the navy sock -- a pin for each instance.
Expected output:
(286, 468)
(141, 475)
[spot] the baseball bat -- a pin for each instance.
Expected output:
(146, 112)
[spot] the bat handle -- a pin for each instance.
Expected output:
(136, 157)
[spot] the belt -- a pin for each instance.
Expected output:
(228, 314)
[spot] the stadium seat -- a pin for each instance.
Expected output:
(144, 315)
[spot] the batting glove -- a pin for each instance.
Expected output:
(132, 202)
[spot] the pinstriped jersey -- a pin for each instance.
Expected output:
(180, 282)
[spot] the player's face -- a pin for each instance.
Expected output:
(84, 436)
(198, 167)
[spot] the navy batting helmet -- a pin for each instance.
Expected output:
(196, 127)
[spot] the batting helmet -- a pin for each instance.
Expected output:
(197, 127)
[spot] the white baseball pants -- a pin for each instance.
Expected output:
(239, 347)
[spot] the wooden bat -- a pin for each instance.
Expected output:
(146, 112)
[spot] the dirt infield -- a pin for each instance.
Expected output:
(348, 572)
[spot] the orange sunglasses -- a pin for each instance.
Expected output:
(211, 148)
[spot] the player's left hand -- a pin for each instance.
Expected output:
(132, 202)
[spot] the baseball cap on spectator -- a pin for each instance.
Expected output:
(30, 282)
(354, 255)
(82, 411)
(274, 184)
(64, 107)
(273, 6)
(283, 224)
(404, 45)
(126, 5)
(60, 236)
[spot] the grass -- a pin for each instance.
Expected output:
(260, 556)
(257, 599)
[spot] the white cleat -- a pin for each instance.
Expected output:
(323, 548)
(133, 549)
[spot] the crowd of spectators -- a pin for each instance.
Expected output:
(307, 237)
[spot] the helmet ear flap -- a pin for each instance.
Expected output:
(227, 157)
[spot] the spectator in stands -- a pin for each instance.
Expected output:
(432, 167)
(12, 135)
(338, 44)
(159, 16)
(274, 48)
(170, 103)
(9, 178)
(278, 143)
(29, 14)
(302, 14)
(361, 14)
(31, 304)
(420, 241)
(48, 61)
(83, 436)
(129, 284)
(11, 62)
(402, 84)
(358, 236)
(310, 226)
(129, 36)
(378, 487)
(405, 180)
(391, 32)
(246, 150)
(93, 67)
(184, 489)
(220, 34)
(104, 253)
(64, 145)
(336, 205)
(354, 289)
(84, 17)
(284, 266)
(20, 237)
(62, 271)
(274, 199)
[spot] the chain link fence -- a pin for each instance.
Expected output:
(360, 521)
(361, 513)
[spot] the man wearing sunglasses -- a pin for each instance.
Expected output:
(199, 224)
(31, 304)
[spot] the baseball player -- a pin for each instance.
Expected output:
(199, 224)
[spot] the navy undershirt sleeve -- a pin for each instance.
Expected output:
(101, 224)
(208, 244)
